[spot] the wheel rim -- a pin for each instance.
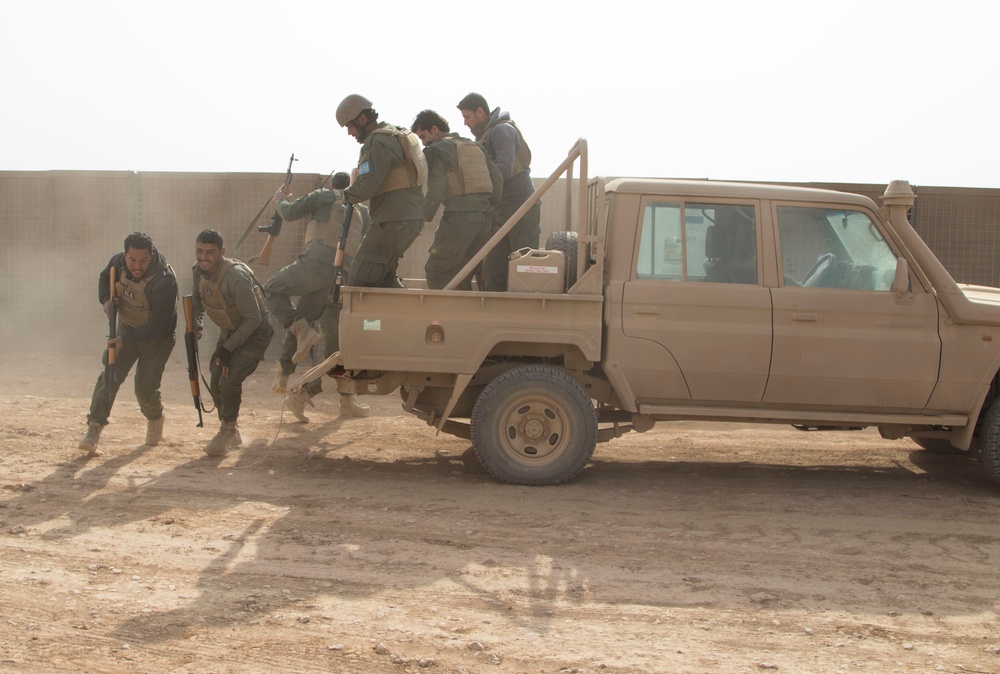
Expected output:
(534, 430)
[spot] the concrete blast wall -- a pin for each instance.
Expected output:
(58, 229)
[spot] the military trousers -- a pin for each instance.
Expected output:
(457, 239)
(149, 357)
(227, 392)
(525, 234)
(308, 279)
(329, 325)
(378, 256)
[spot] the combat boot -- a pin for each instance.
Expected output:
(228, 436)
(305, 338)
(349, 406)
(90, 440)
(296, 403)
(154, 431)
(280, 383)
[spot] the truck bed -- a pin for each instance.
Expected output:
(439, 331)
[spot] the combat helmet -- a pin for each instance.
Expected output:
(351, 107)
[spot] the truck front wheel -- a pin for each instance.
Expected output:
(991, 440)
(534, 425)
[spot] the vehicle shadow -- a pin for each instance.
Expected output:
(654, 534)
(956, 473)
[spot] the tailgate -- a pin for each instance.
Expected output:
(441, 331)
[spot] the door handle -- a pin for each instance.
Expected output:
(645, 310)
(809, 318)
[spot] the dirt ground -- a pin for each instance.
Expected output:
(373, 545)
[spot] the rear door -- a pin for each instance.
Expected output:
(696, 321)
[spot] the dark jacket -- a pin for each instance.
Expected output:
(161, 292)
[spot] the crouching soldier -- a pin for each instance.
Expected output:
(145, 296)
(229, 293)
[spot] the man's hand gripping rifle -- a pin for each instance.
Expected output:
(191, 346)
(338, 261)
(275, 227)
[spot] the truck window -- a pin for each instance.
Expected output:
(715, 243)
(832, 248)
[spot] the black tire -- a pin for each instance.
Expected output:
(565, 243)
(990, 441)
(534, 425)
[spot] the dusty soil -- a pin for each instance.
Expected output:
(372, 545)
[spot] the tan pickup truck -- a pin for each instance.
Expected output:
(678, 299)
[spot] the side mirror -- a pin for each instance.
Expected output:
(901, 279)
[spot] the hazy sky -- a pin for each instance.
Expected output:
(840, 91)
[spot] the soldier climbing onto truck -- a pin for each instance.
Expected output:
(392, 177)
(323, 207)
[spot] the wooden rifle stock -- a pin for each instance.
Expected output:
(338, 261)
(191, 346)
(264, 257)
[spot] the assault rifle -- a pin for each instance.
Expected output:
(191, 345)
(110, 372)
(253, 222)
(338, 261)
(275, 227)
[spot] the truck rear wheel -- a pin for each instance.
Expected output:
(534, 425)
(991, 441)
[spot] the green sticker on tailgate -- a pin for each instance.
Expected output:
(373, 324)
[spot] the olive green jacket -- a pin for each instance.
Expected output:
(379, 154)
(442, 158)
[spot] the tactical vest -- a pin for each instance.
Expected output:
(413, 171)
(132, 302)
(522, 155)
(227, 317)
(329, 232)
(473, 175)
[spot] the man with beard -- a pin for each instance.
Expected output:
(505, 145)
(145, 296)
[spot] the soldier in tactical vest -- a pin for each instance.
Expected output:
(460, 175)
(311, 277)
(392, 177)
(505, 145)
(228, 292)
(145, 295)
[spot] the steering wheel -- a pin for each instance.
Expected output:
(823, 265)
